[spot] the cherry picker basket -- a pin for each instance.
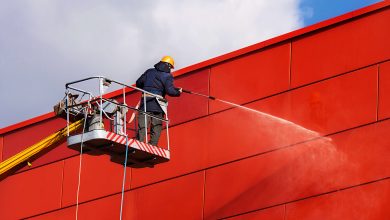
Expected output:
(96, 138)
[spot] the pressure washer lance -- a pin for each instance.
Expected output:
(216, 99)
(195, 93)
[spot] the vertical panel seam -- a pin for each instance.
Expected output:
(290, 66)
(377, 93)
(208, 88)
(204, 193)
(131, 178)
(285, 212)
(62, 183)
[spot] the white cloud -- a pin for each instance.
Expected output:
(45, 43)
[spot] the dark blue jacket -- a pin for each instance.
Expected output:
(157, 80)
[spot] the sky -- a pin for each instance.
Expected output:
(47, 43)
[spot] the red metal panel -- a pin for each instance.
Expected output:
(251, 76)
(355, 44)
(179, 198)
(384, 91)
(26, 123)
(301, 114)
(31, 192)
(364, 202)
(275, 213)
(158, 201)
(63, 214)
(358, 156)
(16, 141)
(106, 208)
(331, 105)
(99, 177)
(187, 106)
(182, 151)
(349, 158)
(325, 107)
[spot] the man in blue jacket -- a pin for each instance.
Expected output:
(159, 81)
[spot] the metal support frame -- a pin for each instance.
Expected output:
(146, 120)
(167, 127)
(99, 101)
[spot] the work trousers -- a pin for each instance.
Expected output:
(154, 124)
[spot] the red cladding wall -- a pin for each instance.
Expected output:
(189, 107)
(101, 209)
(68, 213)
(310, 142)
(99, 177)
(342, 48)
(180, 198)
(250, 77)
(275, 213)
(328, 106)
(315, 167)
(32, 192)
(384, 90)
(363, 202)
(296, 115)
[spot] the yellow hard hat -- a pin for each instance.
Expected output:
(168, 59)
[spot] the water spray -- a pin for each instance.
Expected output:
(281, 120)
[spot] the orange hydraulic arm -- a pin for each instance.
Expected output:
(47, 142)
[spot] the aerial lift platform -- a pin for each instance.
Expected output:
(98, 111)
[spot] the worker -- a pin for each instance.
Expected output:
(159, 81)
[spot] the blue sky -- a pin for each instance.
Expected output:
(45, 44)
(320, 10)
